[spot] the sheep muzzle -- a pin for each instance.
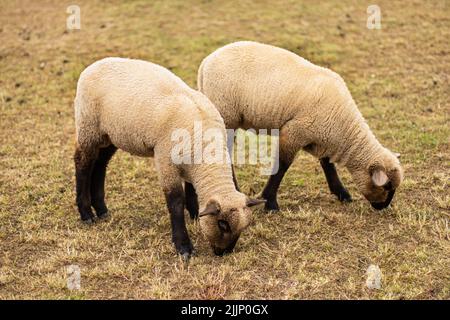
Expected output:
(386, 203)
(220, 251)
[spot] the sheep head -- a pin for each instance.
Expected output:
(222, 224)
(379, 179)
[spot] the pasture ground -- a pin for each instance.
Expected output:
(315, 247)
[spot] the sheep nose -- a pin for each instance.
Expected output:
(386, 203)
(218, 251)
(378, 205)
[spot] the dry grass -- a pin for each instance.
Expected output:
(314, 248)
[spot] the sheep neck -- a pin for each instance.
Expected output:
(352, 142)
(212, 181)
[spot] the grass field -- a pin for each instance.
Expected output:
(315, 247)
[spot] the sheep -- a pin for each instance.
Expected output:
(255, 85)
(135, 106)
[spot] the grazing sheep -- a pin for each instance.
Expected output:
(135, 106)
(259, 86)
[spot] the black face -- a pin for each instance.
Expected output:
(382, 205)
(226, 235)
(220, 252)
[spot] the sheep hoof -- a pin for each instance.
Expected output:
(103, 216)
(88, 222)
(186, 256)
(271, 206)
(186, 251)
(344, 196)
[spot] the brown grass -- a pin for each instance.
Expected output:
(315, 247)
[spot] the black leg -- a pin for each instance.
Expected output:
(180, 237)
(98, 180)
(231, 137)
(191, 200)
(334, 183)
(84, 163)
(270, 191)
(234, 178)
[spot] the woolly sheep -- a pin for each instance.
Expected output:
(135, 105)
(254, 85)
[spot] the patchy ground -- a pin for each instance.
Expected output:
(315, 247)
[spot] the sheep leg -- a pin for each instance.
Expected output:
(231, 137)
(234, 178)
(98, 180)
(84, 163)
(175, 203)
(191, 200)
(271, 189)
(334, 183)
(287, 150)
(172, 185)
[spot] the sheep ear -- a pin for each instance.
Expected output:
(254, 202)
(212, 208)
(396, 154)
(379, 178)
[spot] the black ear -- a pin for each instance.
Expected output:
(212, 208)
(254, 202)
(396, 154)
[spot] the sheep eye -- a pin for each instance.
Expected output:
(224, 226)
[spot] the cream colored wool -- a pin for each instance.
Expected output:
(259, 86)
(136, 105)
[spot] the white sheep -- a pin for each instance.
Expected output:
(258, 86)
(135, 106)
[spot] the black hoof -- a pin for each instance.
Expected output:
(103, 216)
(344, 196)
(100, 208)
(88, 221)
(271, 206)
(185, 256)
(185, 250)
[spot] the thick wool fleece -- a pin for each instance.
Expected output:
(136, 105)
(257, 86)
